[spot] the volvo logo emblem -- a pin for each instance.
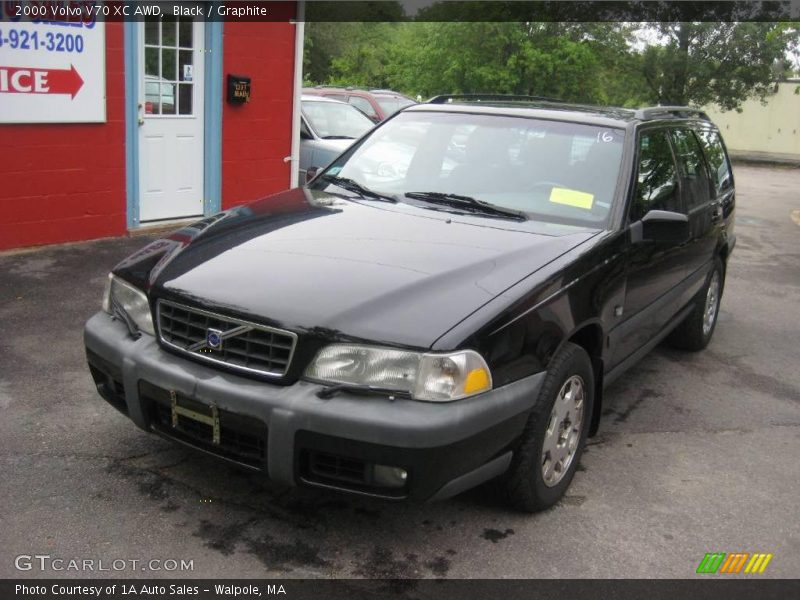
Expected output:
(214, 339)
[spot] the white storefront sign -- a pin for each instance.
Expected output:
(52, 67)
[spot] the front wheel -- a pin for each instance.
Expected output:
(552, 442)
(696, 330)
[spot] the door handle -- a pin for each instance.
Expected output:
(141, 121)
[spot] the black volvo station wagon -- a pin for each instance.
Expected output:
(439, 307)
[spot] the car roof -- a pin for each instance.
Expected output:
(548, 109)
(389, 94)
(354, 91)
(314, 98)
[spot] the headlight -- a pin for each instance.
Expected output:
(121, 297)
(431, 377)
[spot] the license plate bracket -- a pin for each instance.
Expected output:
(211, 420)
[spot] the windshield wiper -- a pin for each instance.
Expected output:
(338, 137)
(468, 203)
(331, 391)
(355, 187)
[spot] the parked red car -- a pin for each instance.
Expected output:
(376, 104)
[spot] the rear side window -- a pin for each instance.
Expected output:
(363, 105)
(693, 166)
(657, 179)
(391, 104)
(717, 160)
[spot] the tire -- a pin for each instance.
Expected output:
(524, 485)
(695, 331)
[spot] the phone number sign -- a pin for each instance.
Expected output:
(52, 68)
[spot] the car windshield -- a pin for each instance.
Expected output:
(391, 104)
(552, 171)
(335, 120)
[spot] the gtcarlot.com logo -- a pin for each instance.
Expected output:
(734, 563)
(46, 562)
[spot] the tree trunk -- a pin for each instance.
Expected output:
(678, 91)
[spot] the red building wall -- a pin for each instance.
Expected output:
(256, 136)
(66, 182)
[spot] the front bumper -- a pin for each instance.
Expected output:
(294, 437)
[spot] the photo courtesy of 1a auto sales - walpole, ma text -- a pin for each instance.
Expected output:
(406, 299)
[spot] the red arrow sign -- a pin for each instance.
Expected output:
(23, 80)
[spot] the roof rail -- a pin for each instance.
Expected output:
(685, 112)
(385, 91)
(335, 87)
(447, 98)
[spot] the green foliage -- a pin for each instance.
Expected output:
(696, 63)
(723, 63)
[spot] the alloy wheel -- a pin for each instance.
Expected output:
(563, 432)
(712, 303)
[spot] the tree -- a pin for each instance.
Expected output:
(691, 62)
(721, 63)
(334, 29)
(570, 61)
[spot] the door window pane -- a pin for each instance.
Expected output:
(185, 29)
(168, 71)
(693, 167)
(151, 29)
(152, 95)
(167, 98)
(717, 160)
(657, 182)
(185, 58)
(151, 62)
(169, 32)
(185, 98)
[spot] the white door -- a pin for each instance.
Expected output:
(170, 119)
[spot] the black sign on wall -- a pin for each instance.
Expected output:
(238, 89)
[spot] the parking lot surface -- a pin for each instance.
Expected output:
(696, 452)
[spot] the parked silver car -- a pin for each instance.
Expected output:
(327, 128)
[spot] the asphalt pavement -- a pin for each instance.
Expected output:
(696, 452)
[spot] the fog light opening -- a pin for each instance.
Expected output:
(390, 477)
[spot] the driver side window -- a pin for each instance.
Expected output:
(657, 181)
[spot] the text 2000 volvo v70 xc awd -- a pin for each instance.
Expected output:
(439, 307)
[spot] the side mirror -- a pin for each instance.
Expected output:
(661, 226)
(311, 173)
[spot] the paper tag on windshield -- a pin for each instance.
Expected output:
(572, 198)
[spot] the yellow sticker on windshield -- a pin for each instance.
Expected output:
(572, 198)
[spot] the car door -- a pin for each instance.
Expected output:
(703, 209)
(655, 270)
(723, 188)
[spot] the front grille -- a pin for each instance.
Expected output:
(244, 346)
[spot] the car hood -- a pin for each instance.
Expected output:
(302, 260)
